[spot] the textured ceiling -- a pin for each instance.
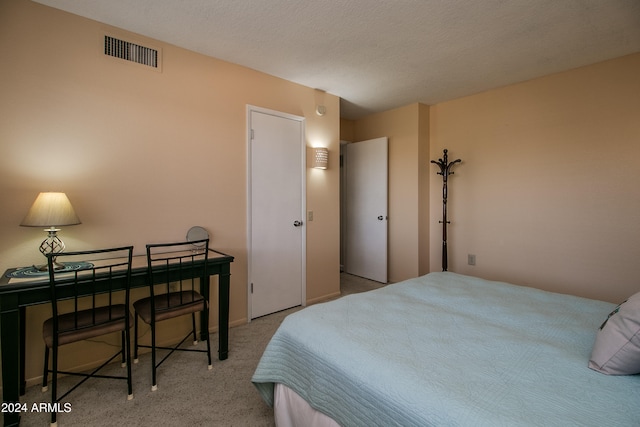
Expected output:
(378, 55)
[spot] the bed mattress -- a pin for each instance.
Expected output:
(448, 349)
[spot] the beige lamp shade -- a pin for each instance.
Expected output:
(51, 210)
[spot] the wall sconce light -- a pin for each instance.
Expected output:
(320, 158)
(51, 210)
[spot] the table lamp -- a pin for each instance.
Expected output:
(51, 210)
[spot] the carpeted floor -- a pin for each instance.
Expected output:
(188, 394)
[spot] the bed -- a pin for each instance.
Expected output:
(451, 350)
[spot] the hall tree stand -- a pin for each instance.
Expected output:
(445, 171)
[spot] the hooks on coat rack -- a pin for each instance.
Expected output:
(445, 171)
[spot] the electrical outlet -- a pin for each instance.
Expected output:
(310, 216)
(471, 259)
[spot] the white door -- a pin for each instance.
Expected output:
(366, 209)
(276, 211)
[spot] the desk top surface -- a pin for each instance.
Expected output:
(138, 267)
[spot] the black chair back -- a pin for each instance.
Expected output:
(89, 280)
(174, 269)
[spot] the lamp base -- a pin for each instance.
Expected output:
(51, 246)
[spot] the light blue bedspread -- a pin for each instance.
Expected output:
(450, 350)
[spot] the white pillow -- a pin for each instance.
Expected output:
(617, 347)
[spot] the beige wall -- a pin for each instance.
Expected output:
(407, 130)
(547, 194)
(346, 130)
(143, 155)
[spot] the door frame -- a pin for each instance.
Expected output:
(303, 208)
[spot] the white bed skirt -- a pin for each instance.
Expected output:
(291, 410)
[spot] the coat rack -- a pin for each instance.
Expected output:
(445, 171)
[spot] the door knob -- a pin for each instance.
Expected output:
(297, 223)
(380, 218)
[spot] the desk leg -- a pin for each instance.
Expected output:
(205, 284)
(223, 314)
(10, 342)
(23, 349)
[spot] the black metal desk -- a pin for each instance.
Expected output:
(16, 295)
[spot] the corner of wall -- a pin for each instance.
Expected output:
(424, 143)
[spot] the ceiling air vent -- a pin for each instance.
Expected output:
(130, 51)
